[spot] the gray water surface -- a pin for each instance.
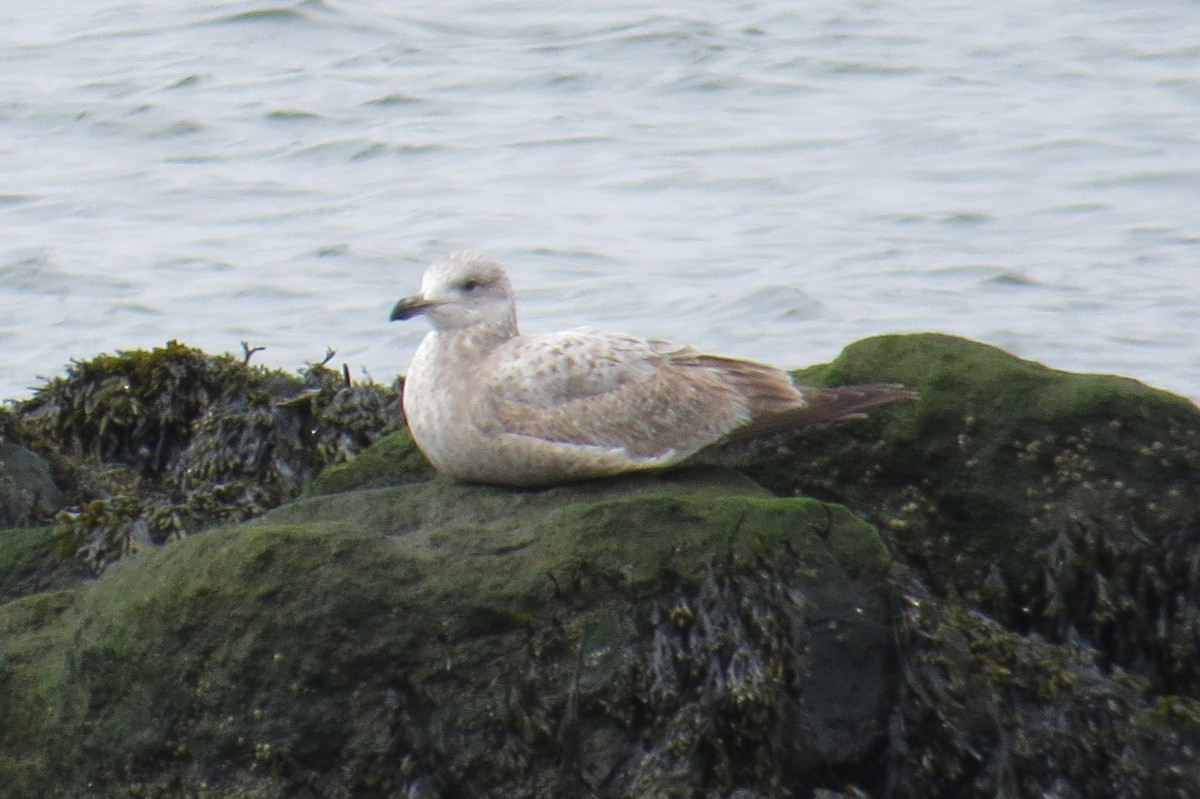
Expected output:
(765, 179)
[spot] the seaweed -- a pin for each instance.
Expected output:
(152, 445)
(982, 711)
(1056, 503)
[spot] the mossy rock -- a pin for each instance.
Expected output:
(34, 637)
(152, 445)
(31, 564)
(684, 635)
(983, 711)
(1059, 502)
(437, 639)
(687, 633)
(393, 460)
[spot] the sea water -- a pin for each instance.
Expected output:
(765, 179)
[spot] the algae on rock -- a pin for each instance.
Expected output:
(152, 444)
(28, 494)
(1022, 623)
(393, 460)
(31, 564)
(982, 711)
(1060, 503)
(438, 639)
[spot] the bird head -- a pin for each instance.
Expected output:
(460, 291)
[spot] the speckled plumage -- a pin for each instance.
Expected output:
(487, 404)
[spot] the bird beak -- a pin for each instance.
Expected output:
(409, 307)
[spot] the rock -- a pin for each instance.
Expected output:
(631, 638)
(30, 563)
(983, 711)
(156, 444)
(27, 490)
(1056, 502)
(393, 460)
(1021, 621)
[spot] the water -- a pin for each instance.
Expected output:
(766, 179)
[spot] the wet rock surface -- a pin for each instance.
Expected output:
(27, 490)
(991, 592)
(148, 446)
(1058, 503)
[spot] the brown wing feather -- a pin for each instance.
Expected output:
(822, 405)
(652, 399)
(613, 391)
(778, 405)
(765, 387)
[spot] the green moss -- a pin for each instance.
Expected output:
(564, 525)
(33, 636)
(20, 550)
(702, 525)
(30, 564)
(1037, 495)
(685, 633)
(393, 460)
(228, 642)
(362, 629)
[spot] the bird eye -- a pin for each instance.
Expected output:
(470, 284)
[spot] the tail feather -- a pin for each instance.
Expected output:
(762, 385)
(821, 405)
(776, 405)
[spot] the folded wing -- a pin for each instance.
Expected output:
(652, 399)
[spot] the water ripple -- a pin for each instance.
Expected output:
(767, 179)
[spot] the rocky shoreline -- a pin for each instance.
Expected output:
(250, 584)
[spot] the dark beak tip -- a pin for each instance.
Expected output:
(407, 308)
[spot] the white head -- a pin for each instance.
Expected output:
(463, 290)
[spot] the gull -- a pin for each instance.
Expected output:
(486, 404)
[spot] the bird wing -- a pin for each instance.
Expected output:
(650, 398)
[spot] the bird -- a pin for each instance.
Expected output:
(486, 404)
